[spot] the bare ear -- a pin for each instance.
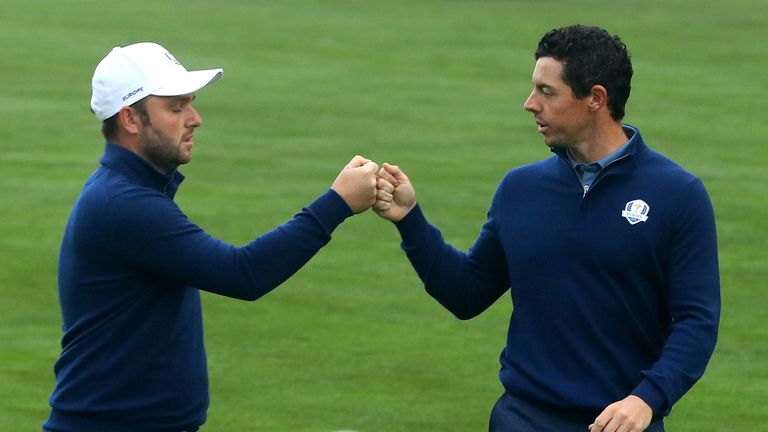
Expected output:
(129, 120)
(598, 97)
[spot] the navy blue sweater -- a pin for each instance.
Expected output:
(130, 268)
(611, 296)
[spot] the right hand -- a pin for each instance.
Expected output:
(356, 184)
(396, 196)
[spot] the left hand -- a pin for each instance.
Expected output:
(630, 414)
(395, 196)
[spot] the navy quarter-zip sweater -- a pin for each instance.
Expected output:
(130, 269)
(611, 296)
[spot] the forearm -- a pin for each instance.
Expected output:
(465, 284)
(275, 256)
(166, 244)
(683, 360)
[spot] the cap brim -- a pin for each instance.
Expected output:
(189, 82)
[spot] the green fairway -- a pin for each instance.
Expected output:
(352, 342)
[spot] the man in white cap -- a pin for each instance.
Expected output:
(131, 263)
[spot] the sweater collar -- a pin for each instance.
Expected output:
(632, 150)
(140, 171)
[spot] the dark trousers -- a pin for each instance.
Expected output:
(511, 414)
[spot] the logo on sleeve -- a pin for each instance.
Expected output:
(636, 211)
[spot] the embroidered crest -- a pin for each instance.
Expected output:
(636, 211)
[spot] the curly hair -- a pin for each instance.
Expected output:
(591, 56)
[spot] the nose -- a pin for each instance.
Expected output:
(530, 104)
(195, 119)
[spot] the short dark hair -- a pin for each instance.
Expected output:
(109, 125)
(591, 56)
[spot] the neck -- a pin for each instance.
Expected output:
(606, 141)
(134, 146)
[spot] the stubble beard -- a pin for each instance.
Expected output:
(160, 150)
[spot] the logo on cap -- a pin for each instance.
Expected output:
(636, 211)
(172, 58)
(138, 90)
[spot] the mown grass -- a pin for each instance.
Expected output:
(352, 341)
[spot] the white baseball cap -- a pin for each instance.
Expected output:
(131, 73)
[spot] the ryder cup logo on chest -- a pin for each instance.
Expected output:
(636, 211)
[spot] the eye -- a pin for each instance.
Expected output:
(546, 90)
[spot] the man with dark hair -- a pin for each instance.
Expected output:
(131, 263)
(591, 56)
(608, 247)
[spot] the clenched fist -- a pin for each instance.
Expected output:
(395, 196)
(356, 184)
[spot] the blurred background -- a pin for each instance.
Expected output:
(436, 86)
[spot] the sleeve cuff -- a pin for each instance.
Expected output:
(413, 227)
(651, 395)
(330, 210)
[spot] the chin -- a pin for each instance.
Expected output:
(185, 157)
(555, 143)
